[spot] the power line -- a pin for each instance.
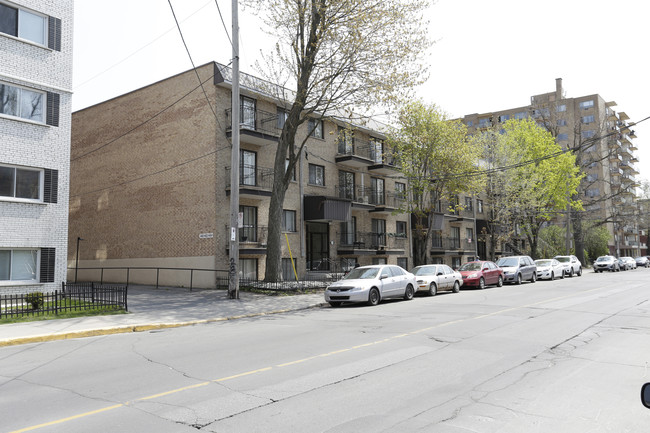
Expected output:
(223, 22)
(190, 56)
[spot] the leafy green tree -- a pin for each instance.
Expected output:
(538, 180)
(552, 241)
(434, 154)
(596, 240)
(334, 57)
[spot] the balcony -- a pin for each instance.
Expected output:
(630, 167)
(615, 171)
(615, 157)
(354, 152)
(451, 244)
(614, 143)
(254, 181)
(383, 163)
(370, 243)
(252, 239)
(255, 126)
(385, 202)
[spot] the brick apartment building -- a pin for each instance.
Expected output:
(608, 148)
(35, 119)
(151, 183)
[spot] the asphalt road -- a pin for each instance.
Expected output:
(562, 356)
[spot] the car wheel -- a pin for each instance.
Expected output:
(481, 283)
(500, 281)
(552, 276)
(433, 289)
(335, 304)
(373, 297)
(456, 287)
(518, 282)
(533, 278)
(409, 292)
(571, 272)
(579, 271)
(562, 275)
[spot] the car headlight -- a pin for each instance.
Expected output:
(473, 275)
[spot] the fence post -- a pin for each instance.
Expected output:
(191, 278)
(92, 292)
(56, 302)
(101, 278)
(127, 276)
(157, 276)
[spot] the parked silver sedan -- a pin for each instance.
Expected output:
(371, 284)
(435, 278)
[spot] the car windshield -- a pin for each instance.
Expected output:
(472, 266)
(424, 270)
(603, 259)
(562, 259)
(508, 261)
(543, 262)
(362, 274)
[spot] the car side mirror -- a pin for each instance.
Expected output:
(645, 395)
(438, 274)
(383, 277)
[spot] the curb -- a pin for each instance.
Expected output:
(142, 327)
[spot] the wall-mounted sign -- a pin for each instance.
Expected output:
(206, 235)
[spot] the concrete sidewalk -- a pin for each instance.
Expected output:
(151, 308)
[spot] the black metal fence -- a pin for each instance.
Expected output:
(72, 297)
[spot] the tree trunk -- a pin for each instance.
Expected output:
(578, 236)
(274, 236)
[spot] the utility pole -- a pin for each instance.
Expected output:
(233, 272)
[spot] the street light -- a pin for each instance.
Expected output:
(76, 265)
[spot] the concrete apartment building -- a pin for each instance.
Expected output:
(151, 185)
(606, 140)
(35, 119)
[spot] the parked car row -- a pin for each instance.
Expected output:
(373, 283)
(613, 264)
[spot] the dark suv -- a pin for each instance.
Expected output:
(517, 269)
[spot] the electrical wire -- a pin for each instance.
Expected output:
(190, 56)
(223, 22)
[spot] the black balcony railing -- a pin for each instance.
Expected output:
(371, 240)
(451, 243)
(253, 234)
(253, 119)
(253, 176)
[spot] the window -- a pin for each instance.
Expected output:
(455, 237)
(561, 122)
(455, 262)
(316, 175)
(521, 115)
(248, 230)
(484, 122)
(288, 220)
(587, 119)
(30, 26)
(247, 168)
(377, 150)
(560, 108)
(248, 269)
(479, 206)
(18, 265)
(436, 238)
(562, 137)
(400, 190)
(23, 103)
(247, 112)
(403, 262)
(588, 134)
(377, 191)
(400, 229)
(594, 192)
(315, 127)
(470, 123)
(20, 183)
(346, 184)
(348, 231)
(378, 232)
(380, 261)
(469, 204)
(286, 167)
(283, 115)
(504, 117)
(469, 234)
(345, 141)
(539, 112)
(586, 104)
(591, 177)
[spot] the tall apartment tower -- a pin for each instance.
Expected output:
(35, 120)
(602, 140)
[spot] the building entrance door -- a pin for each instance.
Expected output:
(318, 247)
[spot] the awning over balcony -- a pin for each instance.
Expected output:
(321, 208)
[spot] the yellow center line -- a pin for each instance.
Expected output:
(359, 346)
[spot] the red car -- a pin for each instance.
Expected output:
(480, 274)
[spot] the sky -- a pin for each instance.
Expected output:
(487, 56)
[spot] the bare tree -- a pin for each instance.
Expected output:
(334, 57)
